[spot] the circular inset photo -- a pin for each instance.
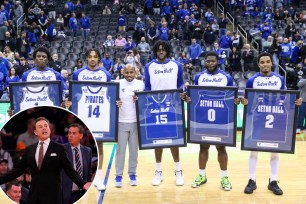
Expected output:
(47, 155)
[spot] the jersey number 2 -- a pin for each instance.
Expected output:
(93, 111)
(269, 121)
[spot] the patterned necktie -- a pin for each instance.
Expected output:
(78, 162)
(40, 154)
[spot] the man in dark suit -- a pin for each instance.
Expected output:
(80, 158)
(45, 160)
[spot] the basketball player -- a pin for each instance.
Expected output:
(161, 74)
(277, 83)
(207, 78)
(127, 127)
(92, 72)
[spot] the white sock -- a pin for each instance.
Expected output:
(158, 167)
(178, 166)
(274, 164)
(252, 165)
(223, 173)
(99, 174)
(202, 172)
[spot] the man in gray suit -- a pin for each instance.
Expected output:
(80, 158)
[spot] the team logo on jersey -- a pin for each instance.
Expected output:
(269, 83)
(214, 80)
(41, 78)
(165, 71)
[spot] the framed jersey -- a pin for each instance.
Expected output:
(269, 121)
(160, 119)
(212, 115)
(95, 104)
(24, 95)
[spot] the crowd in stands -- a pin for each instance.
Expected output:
(126, 31)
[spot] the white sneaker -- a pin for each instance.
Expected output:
(179, 178)
(298, 131)
(158, 178)
(99, 184)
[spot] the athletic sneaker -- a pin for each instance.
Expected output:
(158, 178)
(133, 181)
(179, 181)
(250, 187)
(118, 181)
(226, 185)
(199, 181)
(275, 188)
(98, 183)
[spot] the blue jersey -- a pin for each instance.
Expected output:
(86, 74)
(163, 76)
(48, 74)
(161, 119)
(271, 82)
(212, 114)
(269, 119)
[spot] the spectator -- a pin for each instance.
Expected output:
(172, 22)
(22, 67)
(106, 11)
(215, 27)
(195, 51)
(50, 31)
(295, 57)
(5, 155)
(65, 76)
(164, 32)
(222, 25)
(66, 14)
(43, 20)
(156, 7)
(248, 58)
(108, 62)
(237, 41)
(209, 38)
(60, 20)
(173, 35)
(118, 66)
(185, 62)
(28, 137)
(222, 55)
(9, 41)
(279, 18)
(225, 42)
(94, 5)
(3, 30)
(285, 54)
(18, 11)
(85, 25)
(266, 30)
(4, 65)
(274, 50)
(78, 9)
(139, 30)
(290, 30)
(79, 65)
(70, 5)
(3, 170)
(166, 10)
(37, 31)
(235, 60)
(267, 44)
(54, 63)
(130, 44)
(144, 49)
(130, 58)
(152, 34)
(187, 28)
(73, 24)
(120, 41)
(121, 22)
(9, 55)
(61, 32)
(109, 42)
(23, 45)
(13, 191)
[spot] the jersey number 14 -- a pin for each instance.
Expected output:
(93, 111)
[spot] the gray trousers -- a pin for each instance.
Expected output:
(127, 134)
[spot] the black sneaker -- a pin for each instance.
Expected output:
(275, 188)
(250, 187)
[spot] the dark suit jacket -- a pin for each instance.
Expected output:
(66, 181)
(46, 183)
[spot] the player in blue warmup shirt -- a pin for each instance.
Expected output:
(208, 78)
(277, 83)
(162, 74)
(92, 72)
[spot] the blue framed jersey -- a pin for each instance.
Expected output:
(212, 115)
(160, 119)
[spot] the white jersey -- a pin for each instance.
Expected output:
(127, 112)
(94, 109)
(35, 96)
